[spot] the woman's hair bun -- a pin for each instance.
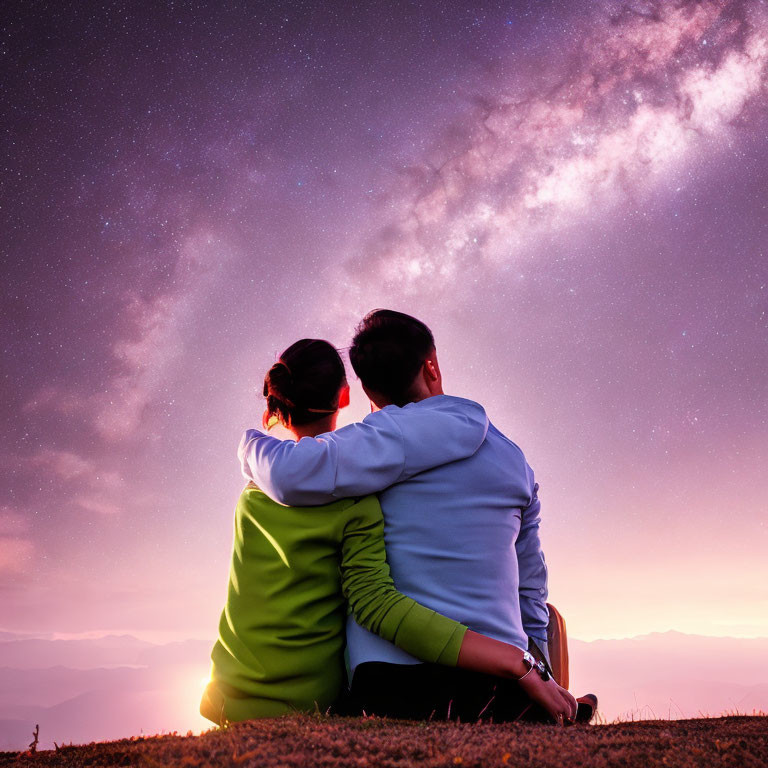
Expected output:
(305, 382)
(278, 383)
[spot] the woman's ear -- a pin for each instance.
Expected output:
(344, 397)
(269, 420)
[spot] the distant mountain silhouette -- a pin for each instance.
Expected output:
(100, 688)
(33, 652)
(183, 652)
(48, 687)
(105, 714)
(22, 635)
(118, 686)
(671, 674)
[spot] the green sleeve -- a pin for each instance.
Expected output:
(374, 601)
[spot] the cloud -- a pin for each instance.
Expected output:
(93, 488)
(15, 555)
(648, 90)
(155, 338)
(69, 466)
(143, 358)
(50, 398)
(16, 548)
(97, 504)
(152, 335)
(11, 522)
(64, 464)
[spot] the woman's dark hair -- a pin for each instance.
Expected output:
(304, 384)
(387, 352)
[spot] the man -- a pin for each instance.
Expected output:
(461, 534)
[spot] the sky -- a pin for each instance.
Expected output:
(574, 197)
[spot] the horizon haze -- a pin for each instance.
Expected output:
(116, 687)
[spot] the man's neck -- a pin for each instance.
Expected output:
(426, 396)
(314, 428)
(415, 399)
(424, 390)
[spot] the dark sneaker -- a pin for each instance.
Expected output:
(587, 708)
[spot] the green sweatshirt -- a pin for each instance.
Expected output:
(282, 632)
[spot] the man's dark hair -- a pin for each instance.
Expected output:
(388, 351)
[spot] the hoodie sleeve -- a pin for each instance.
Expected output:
(533, 569)
(388, 446)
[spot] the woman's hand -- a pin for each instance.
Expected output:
(492, 657)
(560, 704)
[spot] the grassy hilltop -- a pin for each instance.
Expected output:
(298, 742)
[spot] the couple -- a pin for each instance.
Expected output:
(458, 630)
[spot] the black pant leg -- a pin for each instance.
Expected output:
(430, 691)
(405, 691)
(512, 704)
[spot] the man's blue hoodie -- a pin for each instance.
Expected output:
(460, 508)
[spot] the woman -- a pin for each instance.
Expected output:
(294, 570)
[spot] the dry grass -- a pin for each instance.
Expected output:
(320, 742)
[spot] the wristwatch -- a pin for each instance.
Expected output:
(533, 663)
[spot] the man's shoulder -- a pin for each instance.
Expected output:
(439, 405)
(497, 437)
(445, 403)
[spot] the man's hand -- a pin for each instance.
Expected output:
(556, 700)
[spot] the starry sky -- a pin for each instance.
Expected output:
(573, 198)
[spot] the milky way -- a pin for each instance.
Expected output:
(644, 91)
(573, 198)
